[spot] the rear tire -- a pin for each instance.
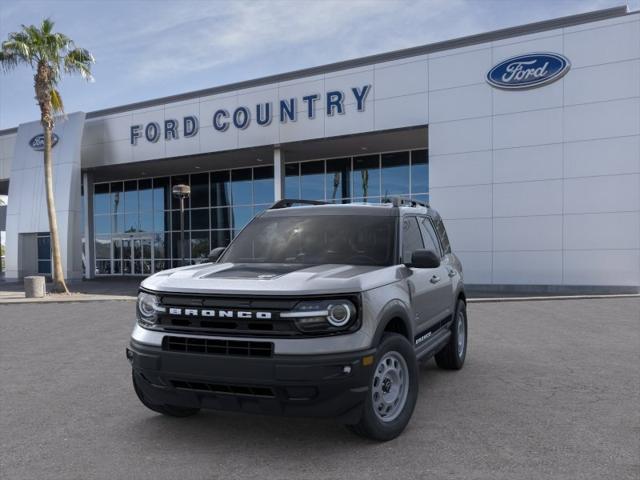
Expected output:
(169, 410)
(393, 391)
(452, 356)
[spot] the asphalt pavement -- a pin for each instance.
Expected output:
(550, 390)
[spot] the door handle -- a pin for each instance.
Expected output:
(435, 279)
(452, 273)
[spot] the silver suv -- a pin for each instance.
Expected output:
(313, 310)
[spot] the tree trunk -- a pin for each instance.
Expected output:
(43, 94)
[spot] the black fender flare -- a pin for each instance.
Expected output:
(393, 309)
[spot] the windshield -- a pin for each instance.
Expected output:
(315, 240)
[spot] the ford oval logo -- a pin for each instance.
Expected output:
(37, 142)
(528, 71)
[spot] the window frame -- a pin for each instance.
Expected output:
(402, 234)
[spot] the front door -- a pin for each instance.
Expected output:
(133, 256)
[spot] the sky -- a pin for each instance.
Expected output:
(153, 48)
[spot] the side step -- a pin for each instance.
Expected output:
(429, 347)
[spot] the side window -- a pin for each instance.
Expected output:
(411, 238)
(429, 235)
(442, 234)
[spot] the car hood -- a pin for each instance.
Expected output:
(270, 279)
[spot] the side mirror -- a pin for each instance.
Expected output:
(424, 259)
(214, 254)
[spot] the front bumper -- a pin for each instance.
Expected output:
(291, 385)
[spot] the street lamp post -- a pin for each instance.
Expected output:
(182, 192)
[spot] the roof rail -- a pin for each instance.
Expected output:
(404, 202)
(290, 202)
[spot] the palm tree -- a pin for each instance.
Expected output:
(50, 55)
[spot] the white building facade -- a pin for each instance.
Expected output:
(526, 140)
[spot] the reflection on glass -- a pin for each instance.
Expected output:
(145, 195)
(200, 190)
(220, 238)
(179, 180)
(160, 221)
(131, 223)
(419, 171)
(44, 247)
(176, 251)
(337, 179)
(220, 218)
(366, 177)
(161, 194)
(395, 173)
(44, 266)
(200, 245)
(292, 180)
(220, 189)
(117, 249)
(200, 219)
(263, 185)
(160, 244)
(241, 216)
(241, 187)
(103, 267)
(131, 203)
(117, 267)
(101, 198)
(312, 180)
(175, 220)
(146, 221)
(103, 249)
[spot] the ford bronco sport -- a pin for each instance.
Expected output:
(313, 310)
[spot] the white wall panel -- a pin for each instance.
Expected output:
(476, 267)
(528, 233)
(549, 41)
(117, 152)
(182, 145)
(460, 136)
(540, 162)
(602, 231)
(601, 120)
(527, 128)
(603, 45)
(507, 101)
(527, 268)
(470, 234)
(352, 121)
(612, 193)
(407, 111)
(602, 267)
(346, 81)
(462, 202)
(602, 82)
(470, 168)
(460, 103)
(459, 69)
(403, 79)
(211, 140)
(543, 197)
(609, 156)
(117, 127)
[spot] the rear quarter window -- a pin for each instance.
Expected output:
(442, 233)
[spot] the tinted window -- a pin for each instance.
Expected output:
(312, 180)
(292, 180)
(366, 177)
(395, 173)
(442, 234)
(263, 185)
(316, 240)
(337, 179)
(429, 236)
(411, 238)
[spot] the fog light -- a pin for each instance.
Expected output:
(368, 360)
(130, 356)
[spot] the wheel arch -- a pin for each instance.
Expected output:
(395, 318)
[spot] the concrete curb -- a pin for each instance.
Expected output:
(69, 299)
(547, 298)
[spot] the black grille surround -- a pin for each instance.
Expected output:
(248, 390)
(274, 327)
(210, 346)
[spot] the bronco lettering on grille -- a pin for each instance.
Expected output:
(209, 313)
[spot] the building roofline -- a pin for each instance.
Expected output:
(459, 42)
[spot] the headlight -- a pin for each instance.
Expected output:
(147, 309)
(323, 316)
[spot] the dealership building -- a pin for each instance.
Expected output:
(526, 140)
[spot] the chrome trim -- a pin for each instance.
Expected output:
(309, 313)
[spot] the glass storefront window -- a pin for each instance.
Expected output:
(175, 220)
(102, 224)
(220, 238)
(366, 177)
(200, 190)
(145, 195)
(200, 246)
(161, 194)
(419, 171)
(395, 173)
(292, 180)
(241, 216)
(241, 193)
(103, 247)
(312, 180)
(200, 219)
(101, 199)
(220, 189)
(263, 185)
(179, 180)
(338, 184)
(145, 221)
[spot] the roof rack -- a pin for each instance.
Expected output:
(404, 202)
(290, 202)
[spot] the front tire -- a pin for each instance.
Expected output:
(452, 356)
(393, 391)
(169, 410)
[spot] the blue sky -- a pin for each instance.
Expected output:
(148, 49)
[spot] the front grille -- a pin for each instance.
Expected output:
(255, 391)
(218, 347)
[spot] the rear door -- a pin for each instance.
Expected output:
(426, 285)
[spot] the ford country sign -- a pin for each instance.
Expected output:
(528, 71)
(37, 142)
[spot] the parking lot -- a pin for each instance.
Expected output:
(550, 390)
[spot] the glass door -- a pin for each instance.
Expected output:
(133, 256)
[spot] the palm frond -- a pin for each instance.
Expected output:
(79, 60)
(56, 101)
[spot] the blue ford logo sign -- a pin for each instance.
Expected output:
(37, 142)
(528, 71)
